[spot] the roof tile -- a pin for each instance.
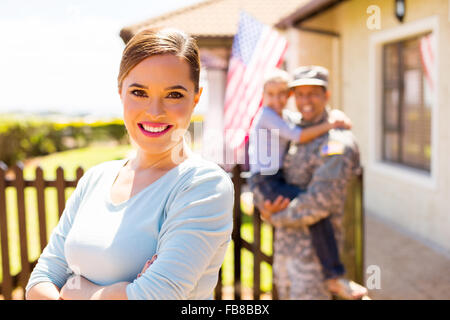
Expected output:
(218, 18)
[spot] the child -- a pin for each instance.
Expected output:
(268, 177)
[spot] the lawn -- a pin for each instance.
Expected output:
(86, 158)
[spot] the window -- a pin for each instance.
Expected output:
(406, 101)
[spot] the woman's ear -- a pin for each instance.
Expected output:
(119, 90)
(197, 96)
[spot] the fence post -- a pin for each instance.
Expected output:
(20, 189)
(218, 289)
(60, 189)
(352, 254)
(7, 283)
(256, 255)
(40, 193)
(236, 235)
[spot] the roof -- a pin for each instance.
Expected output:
(218, 18)
(305, 12)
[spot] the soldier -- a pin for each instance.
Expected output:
(323, 168)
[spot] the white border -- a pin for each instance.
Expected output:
(410, 175)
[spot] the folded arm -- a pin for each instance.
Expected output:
(198, 226)
(51, 272)
(197, 229)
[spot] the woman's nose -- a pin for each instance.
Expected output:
(155, 108)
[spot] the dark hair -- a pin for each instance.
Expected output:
(150, 42)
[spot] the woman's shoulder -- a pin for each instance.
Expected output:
(201, 183)
(102, 169)
(197, 170)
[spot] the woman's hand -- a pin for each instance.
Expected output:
(78, 288)
(147, 265)
(43, 291)
(269, 208)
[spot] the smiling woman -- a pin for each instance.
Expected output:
(164, 202)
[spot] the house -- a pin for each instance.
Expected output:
(388, 72)
(214, 23)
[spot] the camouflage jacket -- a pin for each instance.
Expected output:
(324, 168)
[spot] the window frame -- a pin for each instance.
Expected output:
(398, 129)
(376, 100)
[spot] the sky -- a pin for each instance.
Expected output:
(64, 56)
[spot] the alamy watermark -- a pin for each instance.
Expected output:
(374, 277)
(373, 22)
(264, 150)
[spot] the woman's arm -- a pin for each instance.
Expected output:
(79, 288)
(198, 227)
(51, 271)
(43, 291)
(192, 240)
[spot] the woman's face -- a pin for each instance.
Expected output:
(158, 98)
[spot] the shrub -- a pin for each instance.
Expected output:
(37, 137)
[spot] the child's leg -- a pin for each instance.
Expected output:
(324, 242)
(272, 186)
(261, 185)
(322, 233)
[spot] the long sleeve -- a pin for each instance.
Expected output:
(272, 121)
(52, 265)
(192, 240)
(325, 194)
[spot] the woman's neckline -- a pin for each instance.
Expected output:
(123, 162)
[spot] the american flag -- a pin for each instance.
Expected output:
(427, 54)
(257, 48)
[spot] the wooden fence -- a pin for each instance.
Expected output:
(353, 222)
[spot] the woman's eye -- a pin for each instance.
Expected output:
(175, 95)
(139, 93)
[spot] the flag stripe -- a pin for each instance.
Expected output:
(254, 97)
(254, 78)
(427, 57)
(249, 78)
(256, 49)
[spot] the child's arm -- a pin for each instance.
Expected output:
(308, 134)
(270, 120)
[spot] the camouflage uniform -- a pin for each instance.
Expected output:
(323, 167)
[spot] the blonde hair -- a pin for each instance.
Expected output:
(277, 75)
(150, 42)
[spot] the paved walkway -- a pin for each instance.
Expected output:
(408, 268)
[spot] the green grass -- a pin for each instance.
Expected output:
(86, 158)
(246, 256)
(71, 160)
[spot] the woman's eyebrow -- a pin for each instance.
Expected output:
(168, 88)
(137, 85)
(177, 87)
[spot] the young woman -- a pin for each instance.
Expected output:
(165, 200)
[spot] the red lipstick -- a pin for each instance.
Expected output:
(154, 129)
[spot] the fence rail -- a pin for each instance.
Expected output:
(14, 178)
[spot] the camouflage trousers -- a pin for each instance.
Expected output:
(297, 271)
(297, 280)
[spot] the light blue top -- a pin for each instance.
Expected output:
(268, 140)
(185, 217)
